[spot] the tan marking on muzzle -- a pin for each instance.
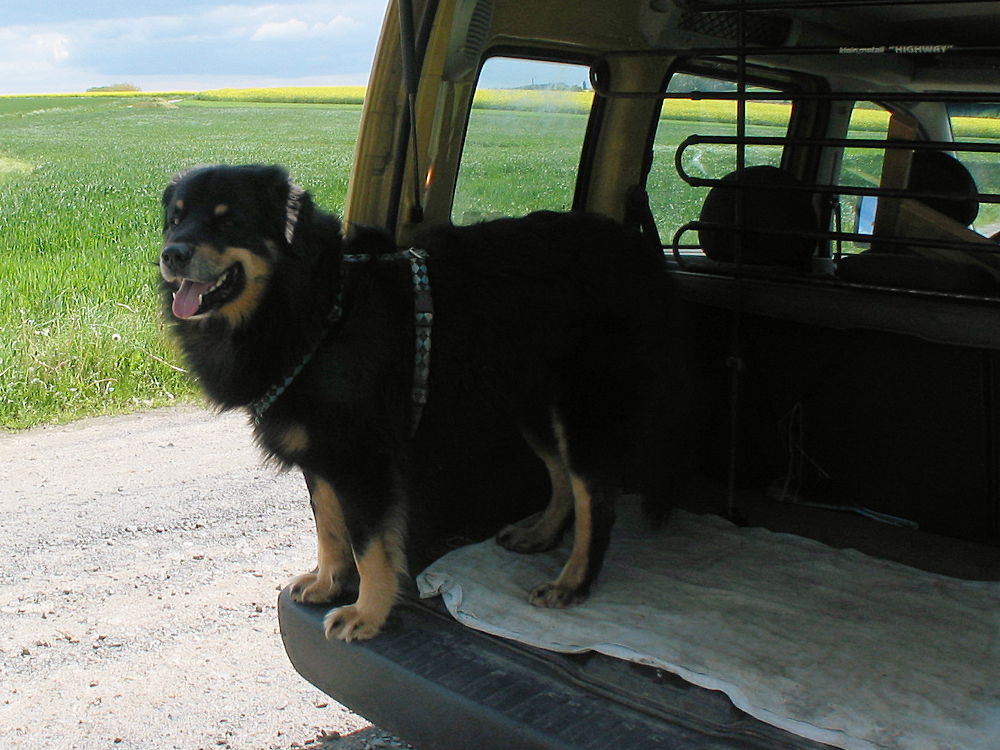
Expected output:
(203, 266)
(257, 271)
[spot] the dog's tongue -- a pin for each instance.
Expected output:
(188, 298)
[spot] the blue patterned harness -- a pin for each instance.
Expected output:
(423, 312)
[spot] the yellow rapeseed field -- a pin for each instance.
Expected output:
(289, 95)
(574, 102)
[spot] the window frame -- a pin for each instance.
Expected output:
(720, 69)
(531, 55)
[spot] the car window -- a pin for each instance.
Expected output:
(672, 200)
(861, 167)
(522, 147)
(980, 123)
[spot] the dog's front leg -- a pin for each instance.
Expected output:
(333, 547)
(381, 561)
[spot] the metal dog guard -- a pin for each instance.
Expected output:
(738, 15)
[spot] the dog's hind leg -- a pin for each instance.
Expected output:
(333, 545)
(594, 515)
(543, 530)
(381, 564)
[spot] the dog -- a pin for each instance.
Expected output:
(554, 321)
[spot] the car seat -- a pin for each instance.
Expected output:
(779, 224)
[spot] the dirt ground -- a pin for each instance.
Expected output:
(140, 562)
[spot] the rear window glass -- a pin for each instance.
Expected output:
(672, 200)
(862, 168)
(980, 123)
(522, 147)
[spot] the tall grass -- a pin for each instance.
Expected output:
(502, 175)
(80, 180)
(81, 176)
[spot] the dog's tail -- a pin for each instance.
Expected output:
(659, 494)
(668, 452)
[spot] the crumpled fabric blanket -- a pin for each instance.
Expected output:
(832, 645)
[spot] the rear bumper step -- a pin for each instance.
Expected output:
(440, 685)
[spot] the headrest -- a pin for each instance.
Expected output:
(766, 205)
(938, 172)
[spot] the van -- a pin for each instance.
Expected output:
(822, 177)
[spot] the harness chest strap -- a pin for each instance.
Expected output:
(423, 311)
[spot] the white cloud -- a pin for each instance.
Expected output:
(222, 40)
(290, 29)
(26, 47)
(31, 57)
(53, 45)
(208, 81)
(294, 28)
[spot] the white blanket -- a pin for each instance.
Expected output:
(832, 645)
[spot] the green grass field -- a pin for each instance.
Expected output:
(80, 182)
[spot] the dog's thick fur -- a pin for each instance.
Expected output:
(554, 320)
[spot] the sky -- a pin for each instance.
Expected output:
(54, 46)
(61, 46)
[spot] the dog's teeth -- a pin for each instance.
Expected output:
(219, 282)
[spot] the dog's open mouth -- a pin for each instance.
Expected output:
(199, 297)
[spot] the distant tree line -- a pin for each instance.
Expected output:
(552, 87)
(115, 87)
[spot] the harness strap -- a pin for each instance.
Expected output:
(423, 312)
(260, 406)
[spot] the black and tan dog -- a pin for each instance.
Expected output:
(555, 320)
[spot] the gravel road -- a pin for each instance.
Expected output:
(140, 562)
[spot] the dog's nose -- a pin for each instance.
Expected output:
(176, 256)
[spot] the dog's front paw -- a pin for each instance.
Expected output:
(351, 623)
(527, 536)
(556, 596)
(314, 588)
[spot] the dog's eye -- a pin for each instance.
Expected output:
(223, 218)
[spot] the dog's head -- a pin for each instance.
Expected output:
(224, 230)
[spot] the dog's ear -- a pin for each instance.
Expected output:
(290, 197)
(175, 180)
(166, 200)
(168, 197)
(295, 200)
(168, 192)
